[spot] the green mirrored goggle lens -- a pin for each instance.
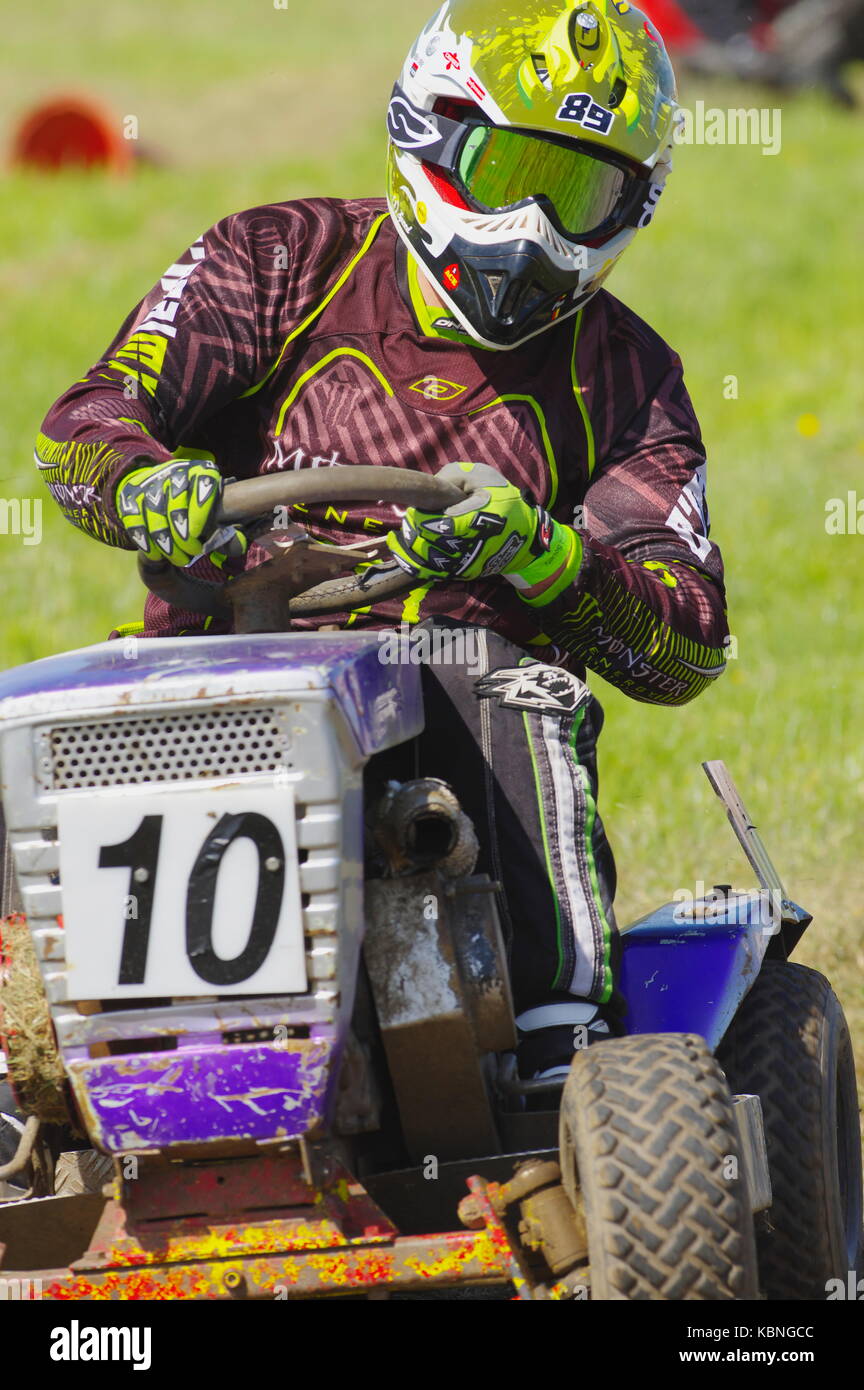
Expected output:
(503, 167)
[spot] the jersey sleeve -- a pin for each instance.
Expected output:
(647, 608)
(205, 334)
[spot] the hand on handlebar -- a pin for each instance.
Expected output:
(493, 531)
(168, 510)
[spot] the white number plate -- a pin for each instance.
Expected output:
(181, 892)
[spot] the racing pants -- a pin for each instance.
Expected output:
(526, 773)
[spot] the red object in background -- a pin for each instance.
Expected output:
(71, 132)
(770, 9)
(675, 28)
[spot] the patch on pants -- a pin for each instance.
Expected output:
(546, 689)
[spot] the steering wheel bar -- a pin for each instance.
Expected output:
(402, 487)
(254, 498)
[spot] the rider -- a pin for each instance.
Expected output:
(459, 328)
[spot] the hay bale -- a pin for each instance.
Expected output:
(26, 1030)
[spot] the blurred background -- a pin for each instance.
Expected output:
(752, 270)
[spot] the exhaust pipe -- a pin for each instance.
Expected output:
(420, 825)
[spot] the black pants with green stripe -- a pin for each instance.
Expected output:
(527, 777)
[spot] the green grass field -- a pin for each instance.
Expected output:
(752, 271)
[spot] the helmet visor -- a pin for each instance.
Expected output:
(499, 168)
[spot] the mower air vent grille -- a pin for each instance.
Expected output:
(167, 748)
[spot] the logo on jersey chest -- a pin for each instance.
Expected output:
(435, 388)
(280, 458)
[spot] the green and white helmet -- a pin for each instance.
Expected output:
(525, 152)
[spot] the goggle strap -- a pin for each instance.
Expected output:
(425, 134)
(642, 203)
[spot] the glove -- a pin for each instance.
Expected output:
(167, 511)
(494, 531)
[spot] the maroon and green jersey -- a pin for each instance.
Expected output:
(294, 336)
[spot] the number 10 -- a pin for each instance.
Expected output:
(140, 853)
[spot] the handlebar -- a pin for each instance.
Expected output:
(348, 483)
(254, 498)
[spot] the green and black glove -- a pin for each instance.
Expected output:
(167, 511)
(494, 531)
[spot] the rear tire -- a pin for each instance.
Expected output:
(649, 1148)
(789, 1044)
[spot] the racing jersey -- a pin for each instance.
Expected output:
(295, 336)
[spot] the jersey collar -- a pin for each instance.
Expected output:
(431, 321)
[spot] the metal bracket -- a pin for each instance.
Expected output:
(754, 1153)
(439, 980)
(750, 840)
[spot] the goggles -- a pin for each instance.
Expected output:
(586, 192)
(499, 169)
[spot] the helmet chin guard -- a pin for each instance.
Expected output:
(576, 85)
(505, 292)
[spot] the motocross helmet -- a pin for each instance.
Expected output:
(525, 153)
